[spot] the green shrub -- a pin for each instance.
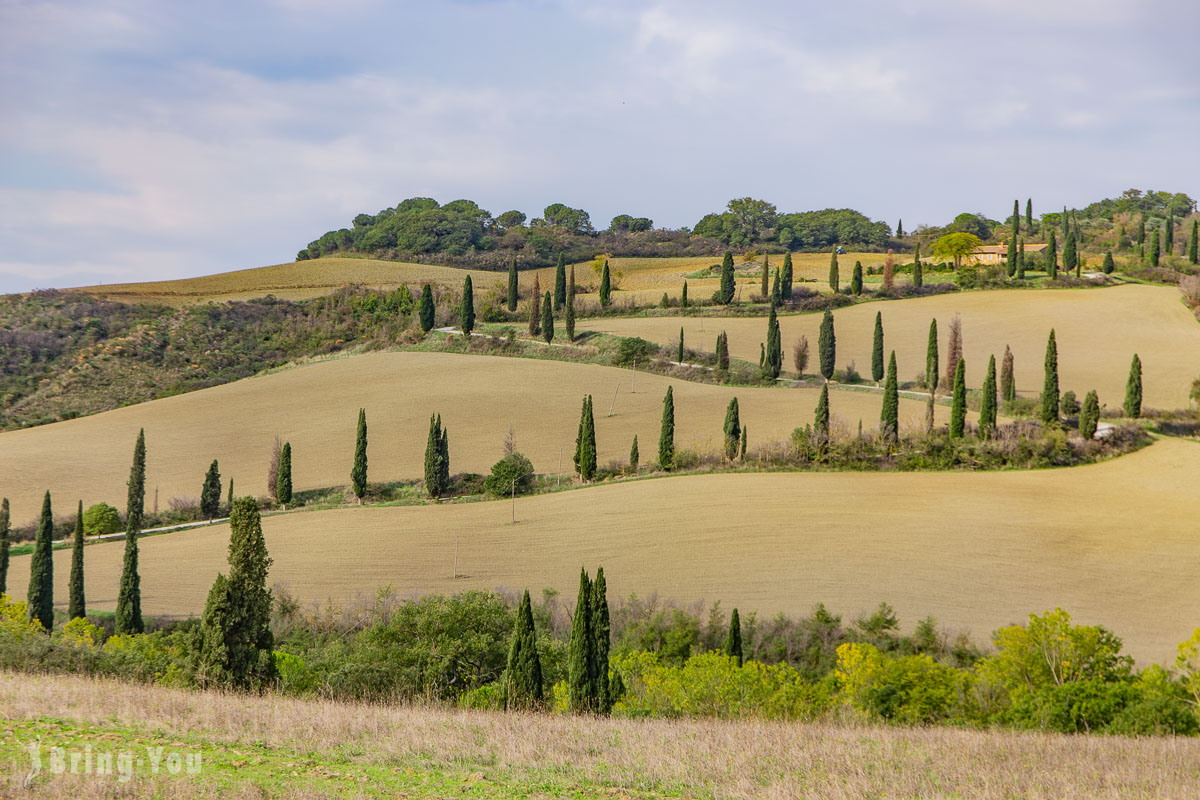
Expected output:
(489, 697)
(634, 350)
(913, 690)
(512, 473)
(294, 675)
(101, 519)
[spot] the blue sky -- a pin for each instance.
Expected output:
(152, 140)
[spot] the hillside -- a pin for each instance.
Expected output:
(315, 407)
(1098, 331)
(1113, 543)
(290, 748)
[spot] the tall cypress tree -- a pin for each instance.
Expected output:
(634, 455)
(444, 453)
(605, 286)
(821, 415)
(1109, 266)
(1010, 260)
(210, 492)
(601, 642)
(1021, 261)
(129, 597)
(666, 433)
(1008, 385)
(1029, 214)
(523, 672)
(774, 359)
(877, 349)
(766, 276)
(679, 355)
(827, 346)
(742, 450)
(1050, 395)
(1070, 257)
(1133, 389)
(889, 414)
(358, 473)
(466, 309)
(958, 404)
(535, 308)
(4, 545)
(581, 690)
(728, 285)
(40, 595)
(283, 484)
(569, 315)
(560, 283)
(900, 229)
(733, 639)
(1169, 235)
(722, 351)
(987, 406)
(511, 297)
(1193, 244)
(683, 298)
(856, 279)
(1139, 233)
(236, 643)
(918, 278)
(77, 604)
(733, 429)
(548, 318)
(1050, 254)
(587, 442)
(833, 270)
(1154, 249)
(229, 497)
(1016, 224)
(433, 458)
(426, 309)
(1089, 415)
(776, 290)
(786, 276)
(931, 358)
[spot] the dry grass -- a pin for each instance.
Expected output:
(1098, 332)
(1113, 543)
(514, 755)
(315, 407)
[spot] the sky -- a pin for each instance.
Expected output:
(153, 140)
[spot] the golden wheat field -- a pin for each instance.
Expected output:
(1098, 331)
(1114, 543)
(255, 746)
(315, 407)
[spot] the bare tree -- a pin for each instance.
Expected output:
(889, 270)
(954, 350)
(510, 441)
(273, 468)
(800, 355)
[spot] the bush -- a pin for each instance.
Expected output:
(101, 519)
(913, 690)
(633, 350)
(512, 473)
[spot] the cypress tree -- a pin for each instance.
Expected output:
(722, 351)
(283, 486)
(358, 473)
(129, 597)
(1070, 258)
(587, 448)
(1154, 249)
(433, 458)
(77, 605)
(666, 434)
(581, 651)
(1109, 266)
(1050, 396)
(958, 405)
(523, 671)
(1133, 389)
(511, 297)
(548, 319)
(774, 359)
(821, 416)
(827, 346)
(229, 497)
(931, 358)
(1029, 214)
(601, 642)
(728, 285)
(856, 279)
(786, 276)
(1089, 415)
(733, 429)
(833, 270)
(918, 278)
(1139, 233)
(683, 300)
(1169, 236)
(444, 453)
(742, 453)
(535, 308)
(889, 414)
(1008, 385)
(1016, 219)
(1050, 254)
(634, 455)
(1193, 253)
(680, 354)
(560, 283)
(733, 639)
(605, 286)
(466, 309)
(900, 229)
(987, 406)
(776, 290)
(877, 349)
(1011, 256)
(40, 595)
(236, 643)
(569, 316)
(425, 309)
(579, 436)
(210, 492)
(1021, 262)
(766, 276)
(4, 545)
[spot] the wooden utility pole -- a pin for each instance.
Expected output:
(614, 400)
